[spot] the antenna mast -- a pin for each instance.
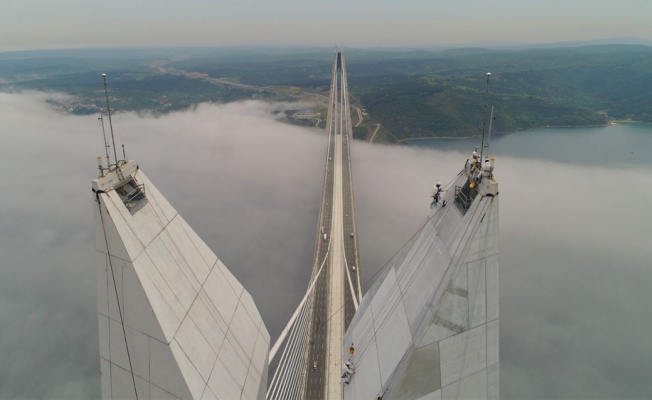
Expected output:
(106, 145)
(491, 124)
(484, 113)
(108, 109)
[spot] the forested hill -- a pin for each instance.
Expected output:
(443, 95)
(415, 93)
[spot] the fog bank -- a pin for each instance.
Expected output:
(573, 240)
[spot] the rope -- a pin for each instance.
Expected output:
(428, 219)
(117, 299)
(364, 340)
(372, 277)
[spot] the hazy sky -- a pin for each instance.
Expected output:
(574, 240)
(35, 24)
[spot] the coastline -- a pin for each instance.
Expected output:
(614, 122)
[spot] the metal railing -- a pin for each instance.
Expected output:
(132, 195)
(138, 193)
(464, 196)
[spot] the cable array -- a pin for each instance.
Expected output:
(287, 377)
(286, 382)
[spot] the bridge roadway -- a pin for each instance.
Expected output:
(333, 303)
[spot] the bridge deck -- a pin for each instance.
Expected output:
(334, 303)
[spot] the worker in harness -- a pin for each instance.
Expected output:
(347, 372)
(436, 195)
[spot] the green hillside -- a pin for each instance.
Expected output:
(416, 93)
(534, 88)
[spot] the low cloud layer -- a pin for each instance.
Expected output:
(248, 184)
(574, 264)
(574, 240)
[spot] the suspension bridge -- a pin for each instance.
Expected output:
(310, 360)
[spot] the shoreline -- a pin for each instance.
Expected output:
(610, 123)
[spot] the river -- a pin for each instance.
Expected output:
(618, 145)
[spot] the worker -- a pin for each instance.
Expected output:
(436, 195)
(475, 158)
(347, 372)
(472, 163)
(487, 170)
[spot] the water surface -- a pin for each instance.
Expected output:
(614, 145)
